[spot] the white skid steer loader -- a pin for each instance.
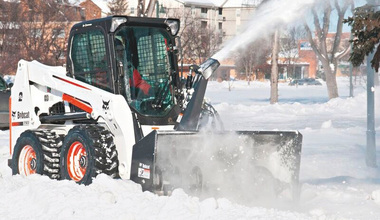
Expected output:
(121, 108)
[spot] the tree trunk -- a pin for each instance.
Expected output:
(247, 75)
(332, 87)
(274, 71)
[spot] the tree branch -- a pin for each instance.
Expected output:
(309, 36)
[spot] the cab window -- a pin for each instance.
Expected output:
(147, 62)
(89, 59)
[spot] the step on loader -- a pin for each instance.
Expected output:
(121, 107)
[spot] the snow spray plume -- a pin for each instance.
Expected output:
(226, 164)
(264, 21)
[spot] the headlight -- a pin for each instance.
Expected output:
(173, 25)
(116, 22)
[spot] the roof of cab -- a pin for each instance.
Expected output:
(133, 21)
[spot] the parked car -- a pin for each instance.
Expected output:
(5, 92)
(305, 81)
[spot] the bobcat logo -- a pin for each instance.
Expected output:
(20, 97)
(13, 114)
(106, 105)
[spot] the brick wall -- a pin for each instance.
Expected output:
(307, 55)
(91, 10)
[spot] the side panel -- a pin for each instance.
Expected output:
(143, 163)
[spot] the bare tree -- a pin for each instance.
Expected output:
(274, 70)
(42, 33)
(34, 30)
(329, 57)
(248, 60)
(9, 28)
(118, 7)
(200, 43)
(198, 40)
(140, 8)
(289, 47)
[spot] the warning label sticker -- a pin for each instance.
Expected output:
(144, 171)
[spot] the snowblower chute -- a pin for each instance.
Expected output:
(218, 162)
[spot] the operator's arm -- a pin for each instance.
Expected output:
(139, 83)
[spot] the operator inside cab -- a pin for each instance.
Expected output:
(139, 88)
(144, 65)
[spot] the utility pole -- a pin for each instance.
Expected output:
(351, 70)
(371, 133)
(351, 84)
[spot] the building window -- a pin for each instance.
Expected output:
(238, 12)
(220, 11)
(220, 25)
(204, 10)
(132, 10)
(36, 33)
(59, 33)
(203, 24)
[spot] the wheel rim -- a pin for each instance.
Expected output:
(27, 162)
(76, 161)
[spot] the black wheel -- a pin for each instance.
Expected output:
(37, 152)
(87, 151)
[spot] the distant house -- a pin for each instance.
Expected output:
(307, 56)
(95, 9)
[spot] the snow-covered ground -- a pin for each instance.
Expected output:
(336, 183)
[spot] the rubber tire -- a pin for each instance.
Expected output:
(101, 155)
(51, 149)
(27, 138)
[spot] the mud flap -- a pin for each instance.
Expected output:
(219, 163)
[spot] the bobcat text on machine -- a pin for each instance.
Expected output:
(121, 108)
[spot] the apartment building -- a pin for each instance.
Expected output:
(225, 18)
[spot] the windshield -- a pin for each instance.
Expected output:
(144, 61)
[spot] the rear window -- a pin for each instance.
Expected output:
(89, 59)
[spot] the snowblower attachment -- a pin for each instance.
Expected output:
(238, 165)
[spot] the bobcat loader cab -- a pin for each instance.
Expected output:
(116, 53)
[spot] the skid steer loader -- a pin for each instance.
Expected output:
(121, 108)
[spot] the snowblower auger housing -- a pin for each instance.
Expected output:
(121, 108)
